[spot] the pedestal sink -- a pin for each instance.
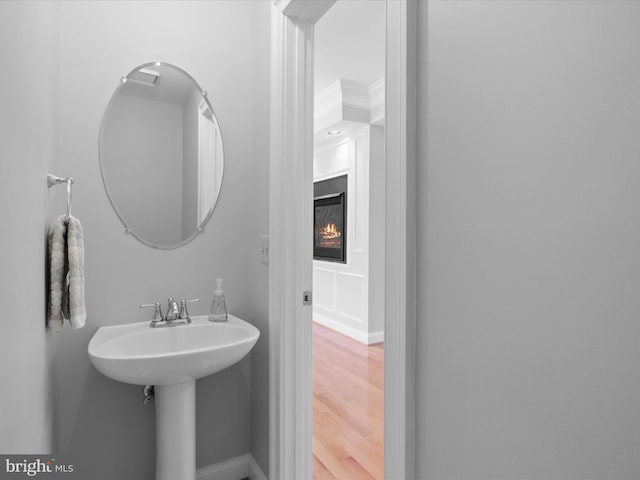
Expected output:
(171, 359)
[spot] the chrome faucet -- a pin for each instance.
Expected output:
(173, 317)
(172, 311)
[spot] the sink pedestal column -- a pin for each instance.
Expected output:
(176, 431)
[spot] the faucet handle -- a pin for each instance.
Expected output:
(157, 314)
(183, 308)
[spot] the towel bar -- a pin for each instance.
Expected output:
(55, 180)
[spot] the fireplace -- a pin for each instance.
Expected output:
(330, 220)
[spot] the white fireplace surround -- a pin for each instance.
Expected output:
(349, 296)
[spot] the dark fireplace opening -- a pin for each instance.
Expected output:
(329, 219)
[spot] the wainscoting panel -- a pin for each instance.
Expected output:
(324, 282)
(351, 296)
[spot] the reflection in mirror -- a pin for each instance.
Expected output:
(161, 155)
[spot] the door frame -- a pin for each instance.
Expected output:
(290, 230)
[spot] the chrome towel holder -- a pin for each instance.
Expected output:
(55, 180)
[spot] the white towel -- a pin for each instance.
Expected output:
(66, 274)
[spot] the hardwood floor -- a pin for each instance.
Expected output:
(348, 416)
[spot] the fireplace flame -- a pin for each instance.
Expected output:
(329, 236)
(331, 231)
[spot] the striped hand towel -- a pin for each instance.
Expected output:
(66, 274)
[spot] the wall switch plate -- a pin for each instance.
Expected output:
(264, 249)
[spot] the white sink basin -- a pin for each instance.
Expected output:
(172, 358)
(135, 353)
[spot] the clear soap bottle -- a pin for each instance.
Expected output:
(218, 307)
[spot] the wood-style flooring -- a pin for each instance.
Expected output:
(348, 394)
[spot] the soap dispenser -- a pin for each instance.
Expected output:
(218, 306)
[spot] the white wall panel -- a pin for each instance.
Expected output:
(325, 291)
(351, 297)
(360, 219)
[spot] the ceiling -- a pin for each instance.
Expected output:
(172, 86)
(349, 43)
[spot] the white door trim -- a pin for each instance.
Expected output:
(290, 229)
(400, 251)
(290, 251)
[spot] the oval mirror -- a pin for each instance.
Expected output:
(161, 155)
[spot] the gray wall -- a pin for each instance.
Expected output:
(259, 274)
(29, 95)
(529, 234)
(102, 420)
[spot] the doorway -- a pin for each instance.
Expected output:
(348, 235)
(291, 225)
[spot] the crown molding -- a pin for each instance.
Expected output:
(345, 102)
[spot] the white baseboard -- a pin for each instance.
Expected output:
(376, 337)
(359, 336)
(237, 468)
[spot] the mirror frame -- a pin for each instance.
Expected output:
(128, 229)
